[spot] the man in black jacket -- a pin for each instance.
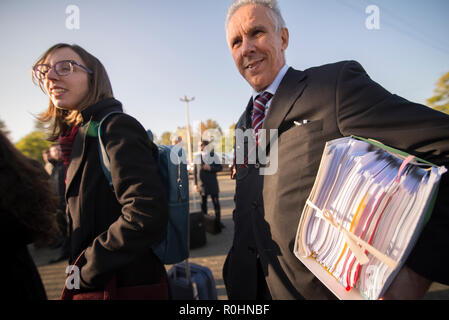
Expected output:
(308, 108)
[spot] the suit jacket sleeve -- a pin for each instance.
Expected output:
(366, 109)
(138, 188)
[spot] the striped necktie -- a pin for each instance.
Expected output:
(259, 110)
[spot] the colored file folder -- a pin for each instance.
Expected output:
(364, 214)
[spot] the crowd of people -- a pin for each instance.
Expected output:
(108, 229)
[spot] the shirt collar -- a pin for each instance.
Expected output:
(272, 88)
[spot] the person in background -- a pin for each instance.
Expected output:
(309, 108)
(177, 140)
(57, 178)
(112, 227)
(205, 171)
(47, 165)
(27, 210)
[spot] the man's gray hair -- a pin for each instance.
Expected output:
(274, 11)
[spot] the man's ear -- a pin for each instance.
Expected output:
(284, 38)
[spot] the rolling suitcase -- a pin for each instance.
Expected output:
(190, 281)
(212, 224)
(180, 284)
(197, 230)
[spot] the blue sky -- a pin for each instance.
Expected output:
(158, 51)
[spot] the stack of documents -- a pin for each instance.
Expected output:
(364, 215)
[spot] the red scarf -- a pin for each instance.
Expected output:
(66, 141)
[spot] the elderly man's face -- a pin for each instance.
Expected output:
(257, 49)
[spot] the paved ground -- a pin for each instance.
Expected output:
(212, 255)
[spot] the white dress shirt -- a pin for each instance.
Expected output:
(272, 88)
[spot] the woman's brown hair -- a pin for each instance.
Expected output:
(99, 89)
(27, 193)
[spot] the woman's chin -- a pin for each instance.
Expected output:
(63, 106)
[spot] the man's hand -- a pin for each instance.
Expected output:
(195, 187)
(206, 167)
(408, 285)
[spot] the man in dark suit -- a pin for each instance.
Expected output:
(205, 179)
(309, 108)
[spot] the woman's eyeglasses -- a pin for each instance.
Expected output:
(61, 68)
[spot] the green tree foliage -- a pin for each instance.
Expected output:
(210, 124)
(33, 144)
(166, 138)
(440, 101)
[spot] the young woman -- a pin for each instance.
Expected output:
(28, 214)
(112, 229)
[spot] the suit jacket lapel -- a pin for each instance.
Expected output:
(244, 122)
(77, 154)
(290, 89)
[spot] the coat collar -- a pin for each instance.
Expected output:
(98, 110)
(290, 89)
(93, 113)
(76, 156)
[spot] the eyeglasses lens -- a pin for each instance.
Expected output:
(63, 68)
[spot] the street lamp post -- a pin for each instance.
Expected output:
(189, 145)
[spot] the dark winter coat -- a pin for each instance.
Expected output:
(118, 227)
(206, 180)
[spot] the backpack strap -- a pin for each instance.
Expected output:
(104, 159)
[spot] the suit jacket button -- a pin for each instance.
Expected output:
(254, 204)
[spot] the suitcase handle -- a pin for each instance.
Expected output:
(188, 238)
